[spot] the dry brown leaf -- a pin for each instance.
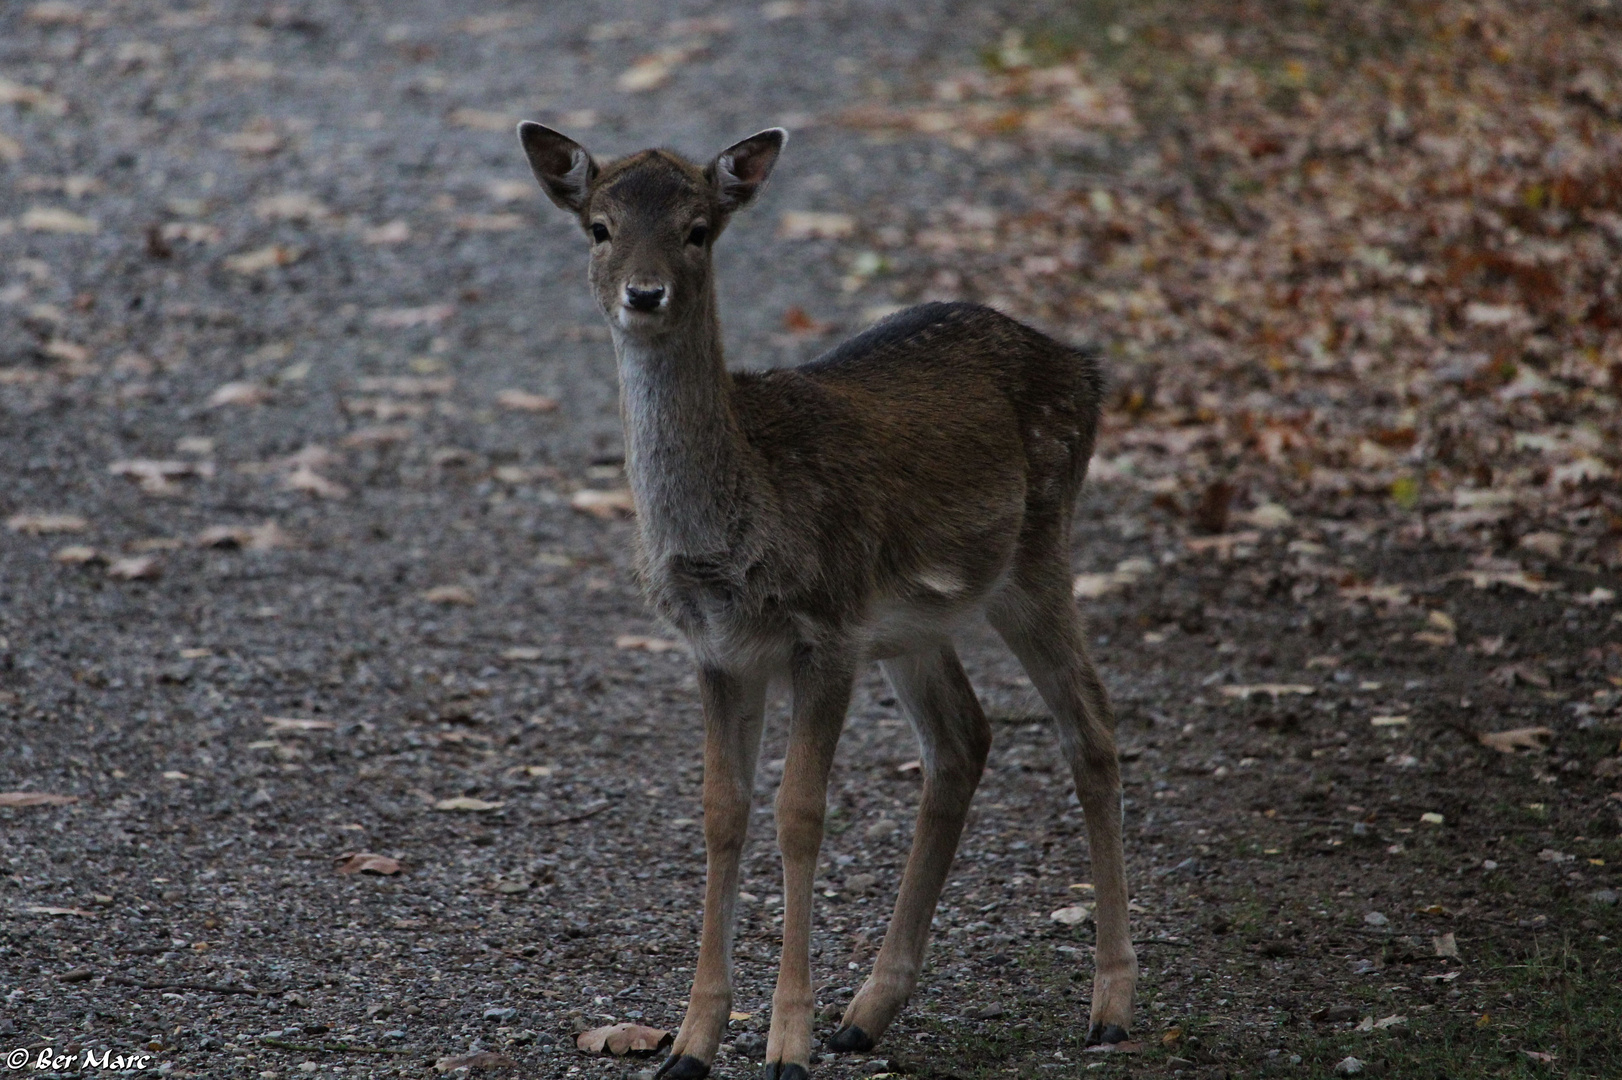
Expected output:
(467, 804)
(449, 594)
(524, 401)
(39, 524)
(35, 798)
(604, 504)
(135, 568)
(1507, 742)
(622, 1039)
(364, 862)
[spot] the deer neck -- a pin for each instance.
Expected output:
(683, 445)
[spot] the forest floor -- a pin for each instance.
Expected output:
(314, 545)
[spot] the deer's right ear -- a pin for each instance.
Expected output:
(562, 165)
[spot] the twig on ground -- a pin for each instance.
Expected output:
(329, 1047)
(207, 988)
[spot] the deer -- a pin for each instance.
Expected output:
(795, 525)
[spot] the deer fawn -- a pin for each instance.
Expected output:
(796, 524)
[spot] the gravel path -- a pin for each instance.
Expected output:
(299, 391)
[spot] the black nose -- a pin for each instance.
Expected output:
(640, 299)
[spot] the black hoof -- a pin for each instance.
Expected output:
(776, 1070)
(1107, 1034)
(850, 1039)
(685, 1067)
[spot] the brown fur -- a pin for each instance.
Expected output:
(797, 524)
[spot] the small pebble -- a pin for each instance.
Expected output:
(1348, 1066)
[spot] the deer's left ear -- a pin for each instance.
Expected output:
(740, 171)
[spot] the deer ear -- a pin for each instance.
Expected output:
(562, 165)
(740, 171)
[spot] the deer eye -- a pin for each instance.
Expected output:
(599, 233)
(699, 234)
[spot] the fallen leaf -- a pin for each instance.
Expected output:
(35, 798)
(1129, 1047)
(484, 1059)
(648, 73)
(449, 594)
(38, 524)
(261, 259)
(1539, 1056)
(12, 93)
(604, 504)
(407, 385)
(1517, 579)
(285, 724)
(376, 435)
(304, 478)
(259, 143)
(467, 804)
(291, 206)
(622, 1039)
(239, 393)
(52, 219)
(1273, 690)
(646, 644)
(77, 555)
(135, 568)
(1507, 742)
(1510, 674)
(364, 862)
(1072, 914)
(1446, 945)
(1388, 721)
(406, 318)
(1432, 818)
(40, 909)
(524, 401)
(390, 232)
(482, 120)
(815, 225)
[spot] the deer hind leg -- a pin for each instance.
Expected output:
(1041, 626)
(954, 738)
(734, 709)
(822, 685)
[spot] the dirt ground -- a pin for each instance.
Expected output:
(310, 451)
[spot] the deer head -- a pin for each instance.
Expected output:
(652, 219)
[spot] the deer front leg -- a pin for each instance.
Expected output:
(822, 688)
(733, 710)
